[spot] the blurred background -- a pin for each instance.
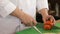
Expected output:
(54, 6)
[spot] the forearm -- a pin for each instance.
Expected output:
(18, 13)
(43, 12)
(42, 6)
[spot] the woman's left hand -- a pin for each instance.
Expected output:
(45, 18)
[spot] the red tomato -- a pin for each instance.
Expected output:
(49, 23)
(47, 27)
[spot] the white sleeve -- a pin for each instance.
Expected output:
(6, 7)
(42, 4)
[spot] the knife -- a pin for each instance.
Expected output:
(37, 29)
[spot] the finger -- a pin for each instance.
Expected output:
(44, 20)
(34, 22)
(30, 23)
(52, 19)
(25, 23)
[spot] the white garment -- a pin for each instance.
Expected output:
(9, 23)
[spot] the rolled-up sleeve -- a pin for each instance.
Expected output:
(6, 7)
(42, 4)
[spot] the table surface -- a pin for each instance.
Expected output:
(54, 30)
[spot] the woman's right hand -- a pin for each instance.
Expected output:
(28, 20)
(25, 18)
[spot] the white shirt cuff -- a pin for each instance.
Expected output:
(9, 8)
(42, 4)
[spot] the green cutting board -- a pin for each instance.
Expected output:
(31, 30)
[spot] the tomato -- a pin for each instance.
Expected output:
(49, 23)
(47, 27)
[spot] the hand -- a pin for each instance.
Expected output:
(45, 18)
(25, 18)
(28, 20)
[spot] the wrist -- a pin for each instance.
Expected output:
(44, 12)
